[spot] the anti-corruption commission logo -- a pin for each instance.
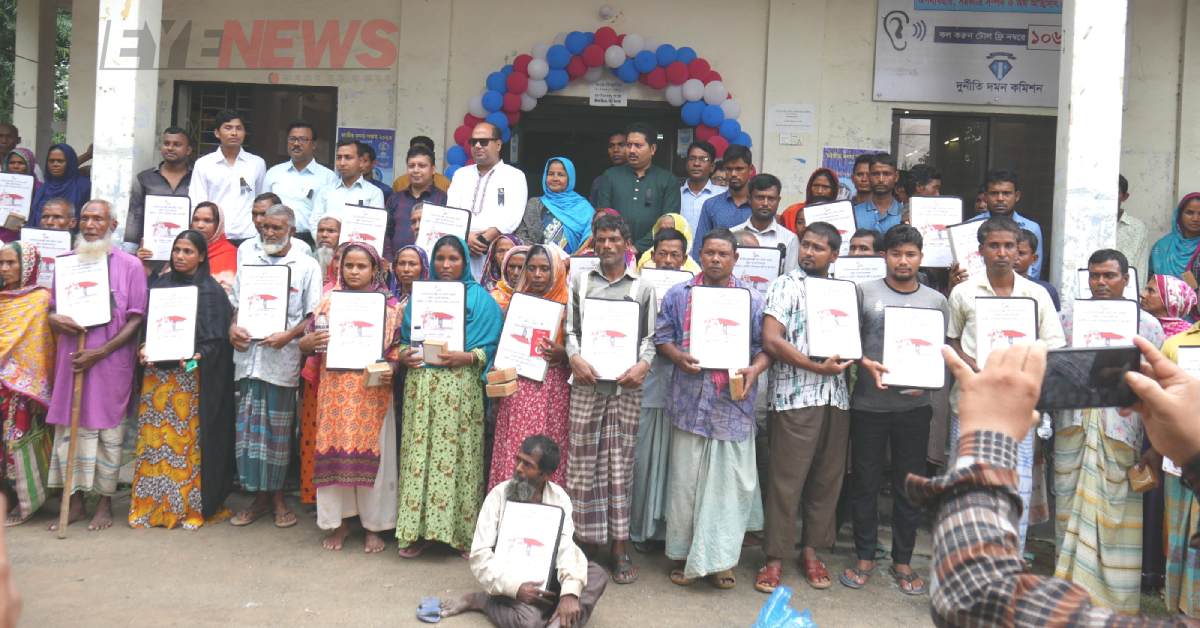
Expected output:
(265, 44)
(1000, 64)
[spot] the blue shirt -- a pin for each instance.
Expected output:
(866, 215)
(1035, 270)
(719, 211)
(690, 203)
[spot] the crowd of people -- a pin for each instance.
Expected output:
(664, 458)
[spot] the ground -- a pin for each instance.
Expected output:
(263, 576)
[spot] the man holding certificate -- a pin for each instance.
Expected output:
(810, 424)
(267, 369)
(1094, 445)
(712, 487)
(997, 239)
(604, 412)
(107, 363)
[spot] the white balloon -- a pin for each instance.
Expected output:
(528, 102)
(540, 51)
(633, 44)
(475, 107)
(538, 69)
(537, 88)
(693, 89)
(593, 74)
(674, 95)
(731, 109)
(560, 38)
(614, 56)
(714, 93)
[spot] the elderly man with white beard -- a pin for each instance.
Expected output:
(329, 231)
(109, 350)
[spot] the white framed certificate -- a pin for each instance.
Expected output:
(859, 268)
(1188, 359)
(840, 214)
(912, 347)
(720, 327)
(662, 280)
(364, 224)
(1003, 322)
(81, 290)
(262, 304)
(50, 244)
(1103, 323)
(758, 266)
(931, 215)
(171, 323)
(831, 312)
(580, 265)
(438, 221)
(527, 541)
(440, 308)
(529, 320)
(1132, 289)
(166, 217)
(610, 335)
(964, 243)
(16, 197)
(357, 329)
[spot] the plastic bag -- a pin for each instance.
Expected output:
(776, 613)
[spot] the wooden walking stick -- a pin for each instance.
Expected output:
(69, 482)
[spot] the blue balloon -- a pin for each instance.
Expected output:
(450, 170)
(496, 81)
(712, 115)
(666, 55)
(505, 134)
(591, 37)
(557, 79)
(507, 69)
(627, 72)
(686, 54)
(576, 42)
(558, 57)
(730, 129)
(493, 100)
(645, 61)
(691, 112)
(498, 119)
(743, 139)
(456, 156)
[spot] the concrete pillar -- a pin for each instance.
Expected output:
(33, 80)
(794, 28)
(81, 85)
(1187, 173)
(126, 90)
(423, 68)
(1090, 87)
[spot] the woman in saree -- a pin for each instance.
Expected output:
(64, 179)
(560, 216)
(493, 267)
(513, 264)
(222, 255)
(441, 470)
(185, 463)
(20, 160)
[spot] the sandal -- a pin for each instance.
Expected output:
(768, 578)
(910, 579)
(678, 578)
(247, 517)
(858, 580)
(816, 574)
(285, 519)
(724, 579)
(624, 571)
(414, 550)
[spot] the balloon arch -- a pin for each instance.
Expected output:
(687, 80)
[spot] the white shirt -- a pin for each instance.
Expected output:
(333, 198)
(773, 236)
(690, 203)
(232, 188)
(299, 189)
(496, 199)
(248, 251)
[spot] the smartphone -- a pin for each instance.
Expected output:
(1088, 378)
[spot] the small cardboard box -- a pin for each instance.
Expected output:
(737, 385)
(433, 348)
(502, 390)
(500, 376)
(375, 373)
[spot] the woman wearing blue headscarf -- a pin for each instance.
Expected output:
(62, 179)
(560, 216)
(441, 457)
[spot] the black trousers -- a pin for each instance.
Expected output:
(870, 433)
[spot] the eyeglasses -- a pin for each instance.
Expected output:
(299, 140)
(481, 141)
(700, 159)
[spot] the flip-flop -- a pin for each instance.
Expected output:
(430, 610)
(247, 517)
(624, 571)
(724, 579)
(678, 578)
(414, 549)
(286, 519)
(865, 574)
(909, 577)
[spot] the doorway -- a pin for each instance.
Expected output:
(568, 126)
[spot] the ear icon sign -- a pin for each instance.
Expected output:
(894, 24)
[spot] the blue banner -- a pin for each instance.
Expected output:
(991, 6)
(384, 143)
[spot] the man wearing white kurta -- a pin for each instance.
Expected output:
(494, 191)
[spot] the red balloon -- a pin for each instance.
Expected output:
(576, 68)
(462, 134)
(677, 73)
(621, 39)
(513, 117)
(470, 121)
(698, 68)
(705, 133)
(521, 63)
(720, 144)
(713, 75)
(512, 103)
(593, 56)
(517, 82)
(657, 78)
(605, 37)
